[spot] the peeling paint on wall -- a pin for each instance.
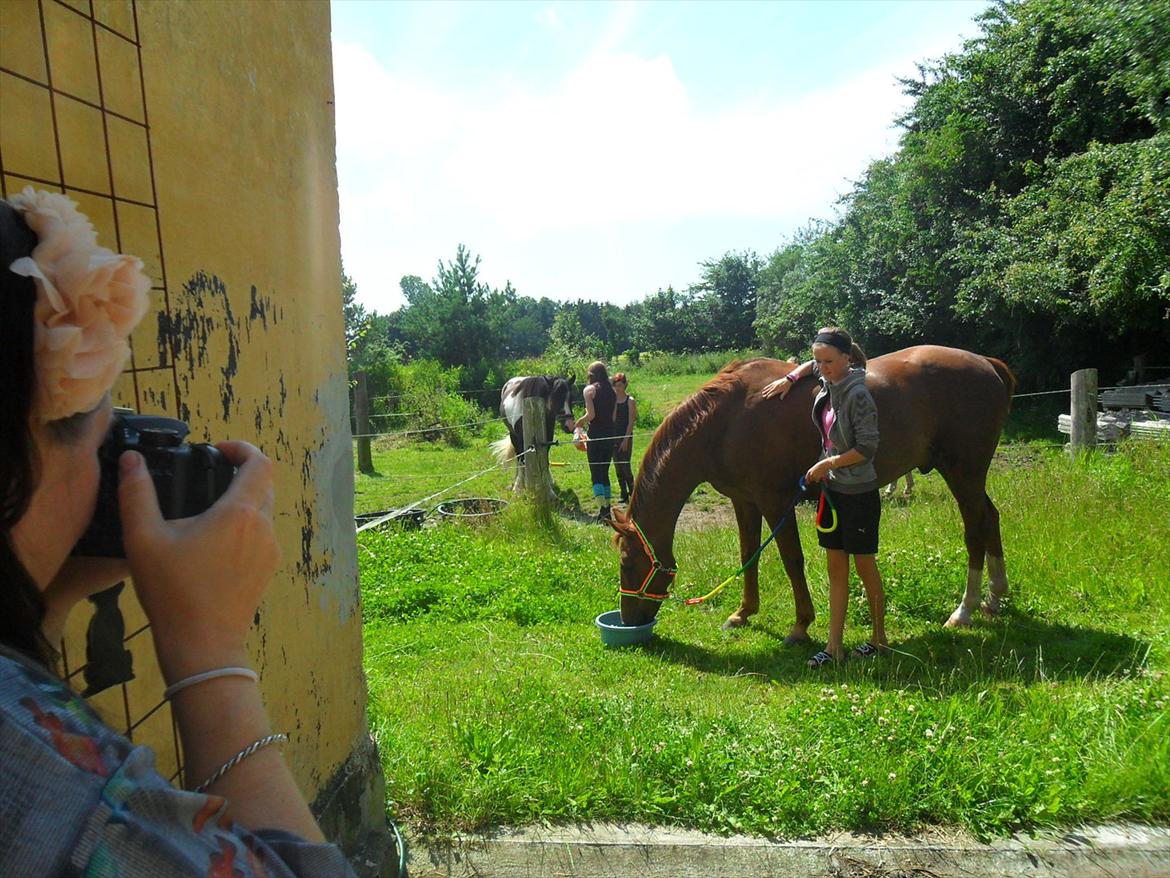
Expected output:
(208, 323)
(328, 482)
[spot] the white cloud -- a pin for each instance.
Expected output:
(550, 18)
(616, 148)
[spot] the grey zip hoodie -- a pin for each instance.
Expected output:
(856, 426)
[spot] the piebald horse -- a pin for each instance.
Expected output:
(557, 394)
(938, 408)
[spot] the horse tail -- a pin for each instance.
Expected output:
(1006, 376)
(503, 449)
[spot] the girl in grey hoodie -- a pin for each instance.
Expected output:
(846, 417)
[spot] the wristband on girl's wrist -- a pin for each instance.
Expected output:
(214, 674)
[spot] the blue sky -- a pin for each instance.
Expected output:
(603, 150)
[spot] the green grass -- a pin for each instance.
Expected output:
(494, 702)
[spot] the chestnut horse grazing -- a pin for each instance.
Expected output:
(938, 408)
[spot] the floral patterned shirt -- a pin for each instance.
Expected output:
(79, 799)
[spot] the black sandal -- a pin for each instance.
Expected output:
(868, 650)
(821, 659)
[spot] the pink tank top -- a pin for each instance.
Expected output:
(828, 417)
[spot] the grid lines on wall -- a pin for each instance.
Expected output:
(74, 112)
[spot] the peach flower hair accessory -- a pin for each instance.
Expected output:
(89, 299)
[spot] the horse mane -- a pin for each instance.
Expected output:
(691, 415)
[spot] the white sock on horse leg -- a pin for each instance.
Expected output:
(997, 579)
(962, 614)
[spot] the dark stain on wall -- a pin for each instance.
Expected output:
(208, 324)
(164, 329)
(155, 399)
(308, 566)
(257, 311)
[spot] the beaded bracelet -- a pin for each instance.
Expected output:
(180, 685)
(259, 744)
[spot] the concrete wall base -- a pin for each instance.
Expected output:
(610, 851)
(351, 809)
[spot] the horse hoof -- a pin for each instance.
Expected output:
(734, 622)
(797, 640)
(989, 611)
(957, 621)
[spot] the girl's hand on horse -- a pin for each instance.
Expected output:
(779, 387)
(200, 579)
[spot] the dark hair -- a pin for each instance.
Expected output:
(22, 607)
(836, 337)
(597, 372)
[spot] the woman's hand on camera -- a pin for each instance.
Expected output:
(200, 579)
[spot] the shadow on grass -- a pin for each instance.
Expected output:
(1017, 649)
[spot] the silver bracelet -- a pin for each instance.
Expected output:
(260, 744)
(180, 685)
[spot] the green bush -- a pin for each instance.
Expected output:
(423, 401)
(706, 363)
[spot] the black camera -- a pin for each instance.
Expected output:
(187, 478)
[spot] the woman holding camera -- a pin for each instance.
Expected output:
(76, 797)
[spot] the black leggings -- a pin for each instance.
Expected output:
(600, 452)
(621, 463)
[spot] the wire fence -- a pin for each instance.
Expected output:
(389, 396)
(1005, 449)
(437, 428)
(418, 503)
(1069, 390)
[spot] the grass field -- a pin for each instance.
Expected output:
(494, 702)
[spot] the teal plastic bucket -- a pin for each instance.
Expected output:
(614, 633)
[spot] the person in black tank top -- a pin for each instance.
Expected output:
(598, 418)
(625, 416)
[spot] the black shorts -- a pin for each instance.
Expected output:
(858, 516)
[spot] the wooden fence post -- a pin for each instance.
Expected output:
(1083, 413)
(534, 475)
(361, 411)
(1139, 369)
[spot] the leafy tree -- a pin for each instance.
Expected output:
(726, 299)
(1086, 247)
(448, 320)
(657, 322)
(570, 344)
(1023, 214)
(356, 319)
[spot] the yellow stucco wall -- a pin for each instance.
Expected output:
(199, 136)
